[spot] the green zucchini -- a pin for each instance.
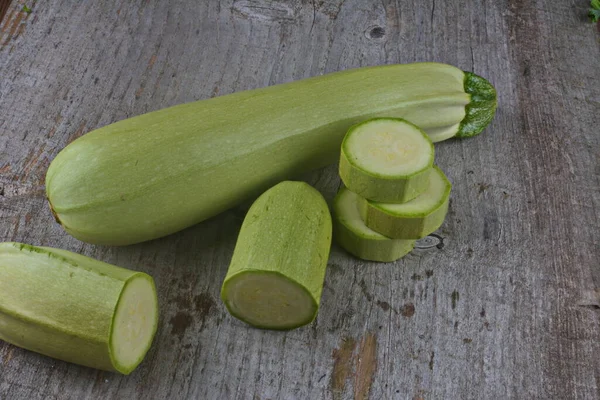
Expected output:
(74, 308)
(414, 219)
(278, 266)
(351, 233)
(157, 173)
(386, 160)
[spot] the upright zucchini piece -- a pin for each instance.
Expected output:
(351, 233)
(157, 173)
(276, 274)
(74, 308)
(414, 219)
(386, 160)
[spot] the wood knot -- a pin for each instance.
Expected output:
(375, 32)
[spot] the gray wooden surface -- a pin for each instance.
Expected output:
(507, 307)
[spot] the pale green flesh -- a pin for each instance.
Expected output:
(386, 160)
(414, 219)
(389, 148)
(355, 237)
(284, 241)
(269, 300)
(62, 304)
(134, 323)
(157, 173)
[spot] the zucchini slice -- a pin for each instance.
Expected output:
(351, 233)
(414, 219)
(386, 160)
(278, 266)
(74, 308)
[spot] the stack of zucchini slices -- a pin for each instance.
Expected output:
(393, 194)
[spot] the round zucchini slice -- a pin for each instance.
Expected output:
(387, 160)
(351, 233)
(414, 219)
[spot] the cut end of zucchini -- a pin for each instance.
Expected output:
(388, 147)
(268, 300)
(481, 109)
(386, 159)
(414, 219)
(351, 233)
(134, 324)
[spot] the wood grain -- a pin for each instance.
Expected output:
(507, 306)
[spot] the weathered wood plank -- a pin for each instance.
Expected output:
(508, 306)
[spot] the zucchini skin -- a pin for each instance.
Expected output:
(155, 174)
(61, 304)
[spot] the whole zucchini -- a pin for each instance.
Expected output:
(157, 173)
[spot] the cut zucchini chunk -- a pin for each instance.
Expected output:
(351, 233)
(74, 308)
(414, 219)
(278, 266)
(387, 160)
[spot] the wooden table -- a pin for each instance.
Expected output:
(508, 306)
